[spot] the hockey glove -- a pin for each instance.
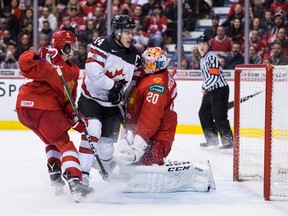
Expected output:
(51, 55)
(78, 124)
(128, 154)
(116, 93)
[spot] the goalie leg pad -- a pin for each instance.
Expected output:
(172, 177)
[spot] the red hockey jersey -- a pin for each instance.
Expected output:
(150, 108)
(44, 89)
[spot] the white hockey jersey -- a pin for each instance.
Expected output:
(106, 63)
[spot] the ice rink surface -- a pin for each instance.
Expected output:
(26, 190)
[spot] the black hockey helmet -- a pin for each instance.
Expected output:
(202, 38)
(122, 22)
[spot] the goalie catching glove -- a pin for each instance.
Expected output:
(128, 153)
(78, 124)
(116, 93)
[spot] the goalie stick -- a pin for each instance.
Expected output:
(64, 83)
(171, 177)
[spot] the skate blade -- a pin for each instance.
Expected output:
(78, 197)
(59, 191)
(210, 148)
(226, 151)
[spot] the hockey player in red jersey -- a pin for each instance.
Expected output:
(151, 121)
(112, 63)
(43, 106)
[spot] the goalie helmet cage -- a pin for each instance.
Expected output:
(261, 128)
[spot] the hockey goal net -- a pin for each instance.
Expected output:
(261, 128)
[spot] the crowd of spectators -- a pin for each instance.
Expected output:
(156, 22)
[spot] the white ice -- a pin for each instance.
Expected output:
(25, 188)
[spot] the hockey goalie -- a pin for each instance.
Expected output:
(149, 133)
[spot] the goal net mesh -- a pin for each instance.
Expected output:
(252, 110)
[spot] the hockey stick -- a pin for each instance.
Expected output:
(78, 115)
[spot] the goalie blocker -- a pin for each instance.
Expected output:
(171, 177)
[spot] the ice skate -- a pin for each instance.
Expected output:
(85, 180)
(57, 182)
(78, 189)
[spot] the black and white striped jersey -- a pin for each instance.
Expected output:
(107, 63)
(212, 72)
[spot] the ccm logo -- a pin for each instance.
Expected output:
(180, 168)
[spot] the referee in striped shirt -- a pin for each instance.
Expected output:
(213, 112)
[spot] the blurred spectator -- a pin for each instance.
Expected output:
(156, 26)
(189, 15)
(12, 22)
(86, 37)
(140, 38)
(24, 44)
(196, 57)
(77, 21)
(259, 44)
(259, 9)
(221, 44)
(232, 7)
(74, 4)
(267, 22)
(80, 58)
(238, 13)
(278, 57)
(89, 8)
(278, 4)
(10, 61)
(49, 17)
(66, 25)
(148, 7)
(100, 21)
(185, 64)
(127, 8)
(15, 10)
(278, 22)
(171, 13)
(282, 37)
(256, 24)
(235, 57)
(43, 41)
(211, 32)
(115, 10)
(266, 59)
(254, 57)
(51, 5)
(236, 32)
(27, 18)
(137, 15)
(222, 62)
(7, 39)
(173, 63)
(218, 3)
(46, 30)
(28, 29)
(205, 7)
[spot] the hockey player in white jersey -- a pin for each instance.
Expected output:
(111, 66)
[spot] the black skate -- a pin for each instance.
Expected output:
(57, 182)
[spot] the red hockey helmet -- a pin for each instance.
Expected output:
(154, 59)
(61, 38)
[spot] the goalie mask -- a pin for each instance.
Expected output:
(65, 42)
(154, 59)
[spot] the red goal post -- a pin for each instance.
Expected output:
(261, 128)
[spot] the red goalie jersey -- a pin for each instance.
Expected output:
(150, 110)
